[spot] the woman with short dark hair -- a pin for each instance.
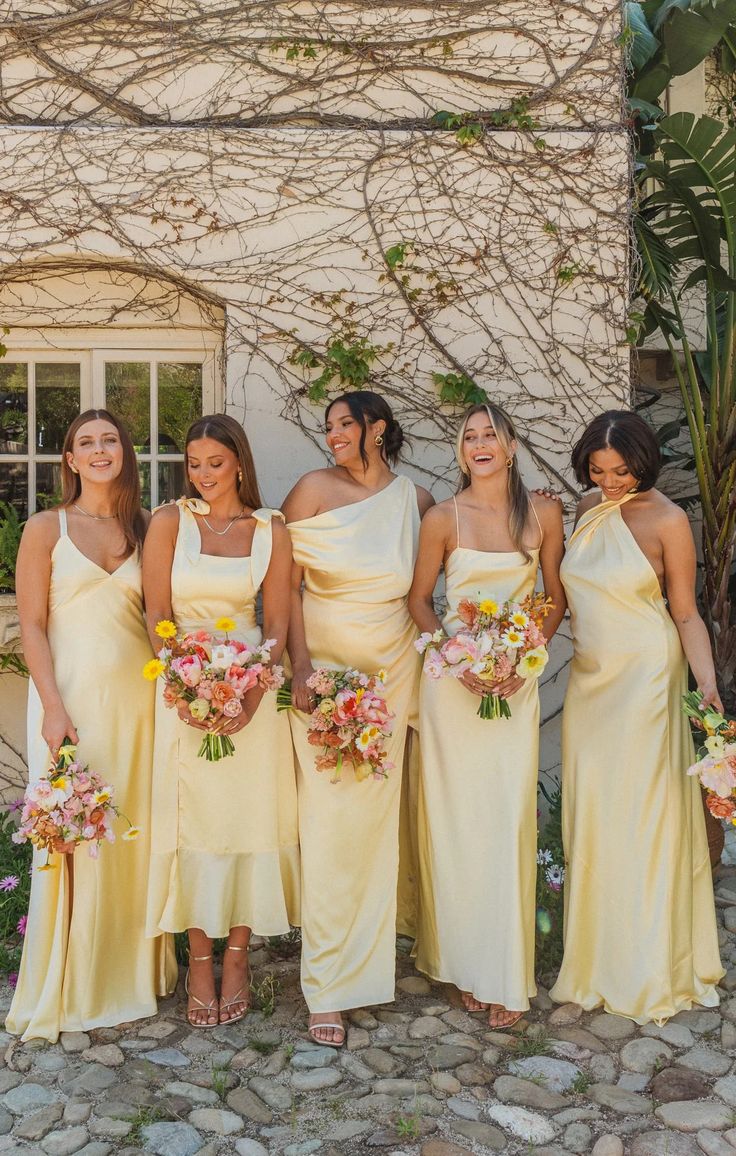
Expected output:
(640, 931)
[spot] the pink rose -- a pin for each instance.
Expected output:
(232, 708)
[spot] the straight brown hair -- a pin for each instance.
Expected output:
(126, 487)
(229, 433)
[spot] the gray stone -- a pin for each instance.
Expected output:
(713, 1143)
(664, 1144)
(414, 985)
(633, 1081)
(558, 1075)
(246, 1058)
(692, 1115)
(483, 1134)
(6, 1122)
(314, 1058)
(363, 1019)
(50, 1062)
(97, 1148)
(602, 1069)
(9, 1079)
(473, 1075)
(191, 1092)
(216, 1120)
(426, 1027)
(678, 1084)
(93, 1079)
(76, 1113)
(302, 1148)
(567, 1013)
(520, 1122)
(577, 1137)
(277, 1096)
(702, 1021)
(644, 1055)
(25, 1097)
(677, 1035)
(463, 1021)
(357, 1038)
(315, 1079)
(541, 1000)
(582, 1038)
(74, 1041)
(705, 1060)
(443, 1056)
(424, 1105)
(728, 1035)
(725, 1088)
(245, 1102)
(400, 1087)
(65, 1143)
(168, 1058)
(608, 1027)
(608, 1145)
(465, 1109)
(355, 1067)
(248, 1147)
(382, 1063)
(110, 1129)
(116, 1110)
(512, 1090)
(461, 1040)
(156, 1030)
(109, 1055)
(444, 1082)
(619, 1100)
(38, 1124)
(346, 1130)
(171, 1139)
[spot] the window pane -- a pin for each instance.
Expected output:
(128, 395)
(179, 403)
(13, 408)
(144, 473)
(57, 404)
(14, 486)
(170, 481)
(48, 484)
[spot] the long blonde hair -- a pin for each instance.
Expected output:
(519, 500)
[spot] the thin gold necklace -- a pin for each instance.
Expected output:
(95, 517)
(232, 522)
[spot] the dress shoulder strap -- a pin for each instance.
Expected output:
(262, 546)
(457, 523)
(63, 531)
(539, 524)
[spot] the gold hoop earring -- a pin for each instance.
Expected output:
(379, 440)
(509, 463)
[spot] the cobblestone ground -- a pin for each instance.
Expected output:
(419, 1077)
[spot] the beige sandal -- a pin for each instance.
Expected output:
(239, 997)
(327, 1043)
(207, 1007)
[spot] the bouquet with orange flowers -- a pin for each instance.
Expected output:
(496, 641)
(211, 673)
(67, 806)
(351, 721)
(716, 766)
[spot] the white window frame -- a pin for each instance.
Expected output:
(90, 349)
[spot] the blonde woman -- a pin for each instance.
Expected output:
(477, 799)
(86, 962)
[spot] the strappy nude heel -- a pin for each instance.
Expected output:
(206, 1007)
(241, 996)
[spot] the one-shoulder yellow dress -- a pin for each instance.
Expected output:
(225, 844)
(640, 929)
(86, 962)
(477, 811)
(358, 564)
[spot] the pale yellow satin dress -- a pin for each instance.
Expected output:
(92, 966)
(477, 815)
(225, 843)
(640, 929)
(358, 564)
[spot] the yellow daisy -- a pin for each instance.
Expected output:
(225, 624)
(488, 606)
(131, 834)
(153, 669)
(166, 629)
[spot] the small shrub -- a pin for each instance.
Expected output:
(11, 528)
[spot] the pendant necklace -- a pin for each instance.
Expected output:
(95, 517)
(232, 522)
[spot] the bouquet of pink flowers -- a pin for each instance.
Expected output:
(350, 721)
(716, 766)
(496, 641)
(69, 805)
(211, 673)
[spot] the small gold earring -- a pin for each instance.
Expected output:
(379, 440)
(240, 477)
(509, 463)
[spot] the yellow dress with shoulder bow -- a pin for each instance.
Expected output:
(640, 929)
(225, 844)
(358, 564)
(87, 964)
(477, 811)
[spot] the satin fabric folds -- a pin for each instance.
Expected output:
(477, 812)
(640, 930)
(88, 964)
(225, 848)
(358, 562)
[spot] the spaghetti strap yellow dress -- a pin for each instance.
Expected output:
(358, 564)
(225, 844)
(86, 961)
(477, 815)
(640, 932)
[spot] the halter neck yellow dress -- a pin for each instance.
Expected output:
(225, 844)
(87, 964)
(640, 929)
(477, 819)
(358, 565)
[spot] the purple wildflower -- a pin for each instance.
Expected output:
(22, 923)
(9, 883)
(13, 978)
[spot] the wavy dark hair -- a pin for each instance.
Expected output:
(366, 406)
(126, 487)
(229, 433)
(630, 436)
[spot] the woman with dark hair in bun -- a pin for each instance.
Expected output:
(640, 931)
(354, 529)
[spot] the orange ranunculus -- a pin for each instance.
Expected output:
(721, 808)
(222, 692)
